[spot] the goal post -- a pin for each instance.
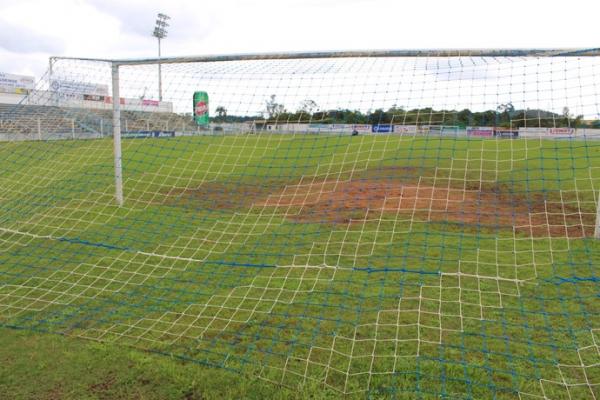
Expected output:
(597, 231)
(331, 55)
(116, 120)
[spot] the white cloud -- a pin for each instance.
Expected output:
(23, 40)
(118, 28)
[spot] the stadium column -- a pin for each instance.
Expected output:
(116, 103)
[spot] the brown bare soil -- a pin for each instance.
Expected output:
(221, 196)
(374, 194)
(353, 201)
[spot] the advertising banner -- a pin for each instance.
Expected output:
(108, 99)
(21, 84)
(561, 131)
(93, 97)
(405, 129)
(506, 133)
(318, 128)
(533, 132)
(147, 134)
(361, 128)
(423, 129)
(339, 128)
(383, 128)
(64, 86)
(481, 131)
(152, 103)
(70, 96)
(543, 132)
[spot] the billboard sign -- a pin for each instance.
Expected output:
(69, 96)
(108, 99)
(542, 132)
(561, 131)
(405, 129)
(481, 131)
(10, 83)
(319, 128)
(339, 127)
(93, 97)
(361, 128)
(152, 103)
(506, 133)
(147, 134)
(65, 86)
(423, 129)
(533, 132)
(383, 128)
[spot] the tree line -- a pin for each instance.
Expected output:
(504, 116)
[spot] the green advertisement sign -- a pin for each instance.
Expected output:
(201, 108)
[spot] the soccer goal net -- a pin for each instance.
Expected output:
(392, 224)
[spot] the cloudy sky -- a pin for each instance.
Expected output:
(32, 30)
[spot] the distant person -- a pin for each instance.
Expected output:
(354, 132)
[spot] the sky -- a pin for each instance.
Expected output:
(33, 30)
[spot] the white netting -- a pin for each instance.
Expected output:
(393, 225)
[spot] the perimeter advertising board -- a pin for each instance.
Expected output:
(361, 128)
(547, 132)
(93, 97)
(506, 133)
(326, 128)
(405, 129)
(151, 103)
(480, 131)
(383, 128)
(561, 131)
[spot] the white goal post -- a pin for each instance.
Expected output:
(425, 53)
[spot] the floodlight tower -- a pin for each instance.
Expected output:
(160, 32)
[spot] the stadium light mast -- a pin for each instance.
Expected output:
(160, 32)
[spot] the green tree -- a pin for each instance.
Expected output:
(308, 106)
(221, 113)
(273, 108)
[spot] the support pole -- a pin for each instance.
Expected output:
(54, 95)
(116, 99)
(597, 231)
(159, 74)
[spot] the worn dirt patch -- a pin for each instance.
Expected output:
(403, 193)
(494, 207)
(222, 196)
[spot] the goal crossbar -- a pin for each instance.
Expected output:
(564, 52)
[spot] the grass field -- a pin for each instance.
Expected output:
(371, 266)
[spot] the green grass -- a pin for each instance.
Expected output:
(223, 292)
(44, 367)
